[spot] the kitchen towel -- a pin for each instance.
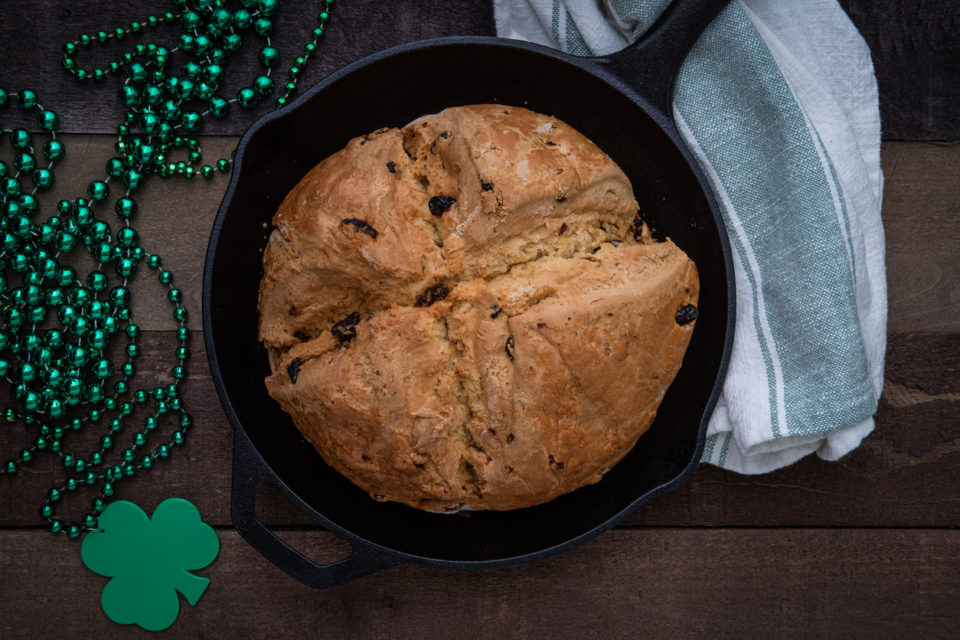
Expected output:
(778, 102)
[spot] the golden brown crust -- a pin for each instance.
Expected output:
(512, 338)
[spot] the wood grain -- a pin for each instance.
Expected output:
(627, 583)
(916, 56)
(903, 475)
(34, 32)
(915, 50)
(900, 476)
(920, 211)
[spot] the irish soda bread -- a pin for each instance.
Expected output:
(466, 313)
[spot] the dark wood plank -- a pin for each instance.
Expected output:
(914, 47)
(900, 476)
(920, 209)
(916, 56)
(652, 583)
(904, 474)
(34, 32)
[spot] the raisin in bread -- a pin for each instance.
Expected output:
(467, 313)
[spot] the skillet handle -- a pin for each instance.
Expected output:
(249, 470)
(651, 64)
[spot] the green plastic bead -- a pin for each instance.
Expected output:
(246, 97)
(177, 438)
(132, 179)
(213, 73)
(25, 162)
(73, 532)
(98, 190)
(263, 85)
(97, 281)
(110, 325)
(56, 526)
(294, 73)
(48, 120)
(281, 102)
(269, 56)
(263, 27)
(114, 167)
(191, 121)
(20, 139)
(267, 7)
(129, 97)
(149, 122)
(152, 94)
(43, 178)
(27, 99)
(180, 314)
(232, 43)
(103, 252)
(137, 72)
(218, 107)
(126, 267)
(125, 207)
(223, 165)
(190, 20)
(183, 334)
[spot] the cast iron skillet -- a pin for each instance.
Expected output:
(623, 103)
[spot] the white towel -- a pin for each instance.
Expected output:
(778, 102)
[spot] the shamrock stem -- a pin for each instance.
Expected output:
(191, 586)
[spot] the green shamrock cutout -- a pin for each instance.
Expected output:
(149, 560)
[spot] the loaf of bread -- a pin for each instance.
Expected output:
(468, 313)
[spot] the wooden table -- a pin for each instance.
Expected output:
(864, 547)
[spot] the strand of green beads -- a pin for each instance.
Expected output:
(71, 49)
(71, 359)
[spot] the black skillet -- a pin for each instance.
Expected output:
(623, 103)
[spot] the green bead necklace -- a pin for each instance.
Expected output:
(57, 328)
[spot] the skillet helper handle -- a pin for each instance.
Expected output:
(651, 64)
(249, 470)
